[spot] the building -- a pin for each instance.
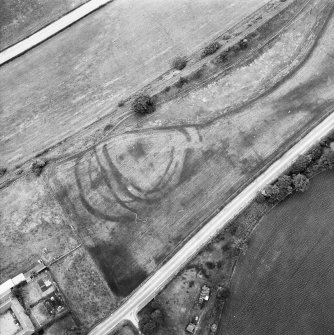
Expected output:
(191, 328)
(213, 328)
(204, 294)
(6, 287)
(37, 292)
(11, 306)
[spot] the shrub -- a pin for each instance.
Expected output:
(179, 63)
(143, 104)
(300, 182)
(330, 137)
(210, 265)
(222, 58)
(260, 198)
(121, 103)
(240, 245)
(182, 81)
(3, 171)
(197, 74)
(166, 89)
(272, 193)
(152, 319)
(243, 44)
(210, 49)
(38, 166)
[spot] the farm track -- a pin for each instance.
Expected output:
(244, 59)
(120, 120)
(197, 64)
(123, 117)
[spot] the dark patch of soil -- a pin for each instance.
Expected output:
(189, 167)
(114, 264)
(137, 150)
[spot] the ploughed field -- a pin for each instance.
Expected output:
(134, 198)
(19, 19)
(80, 74)
(285, 282)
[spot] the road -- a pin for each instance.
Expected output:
(50, 30)
(149, 289)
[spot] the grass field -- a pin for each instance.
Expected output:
(33, 226)
(19, 19)
(60, 326)
(104, 57)
(31, 220)
(284, 284)
(88, 296)
(138, 195)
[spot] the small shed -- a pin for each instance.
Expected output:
(191, 328)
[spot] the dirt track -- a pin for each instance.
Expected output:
(140, 194)
(151, 287)
(93, 55)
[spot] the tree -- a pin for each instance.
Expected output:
(3, 171)
(210, 49)
(301, 164)
(300, 182)
(38, 166)
(179, 63)
(284, 185)
(143, 104)
(315, 152)
(272, 193)
(326, 161)
(223, 293)
(152, 319)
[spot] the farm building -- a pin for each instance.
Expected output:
(204, 294)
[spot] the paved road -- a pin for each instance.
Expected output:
(50, 30)
(148, 290)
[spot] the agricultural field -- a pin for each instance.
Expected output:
(102, 59)
(284, 283)
(226, 266)
(19, 19)
(139, 195)
(112, 205)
